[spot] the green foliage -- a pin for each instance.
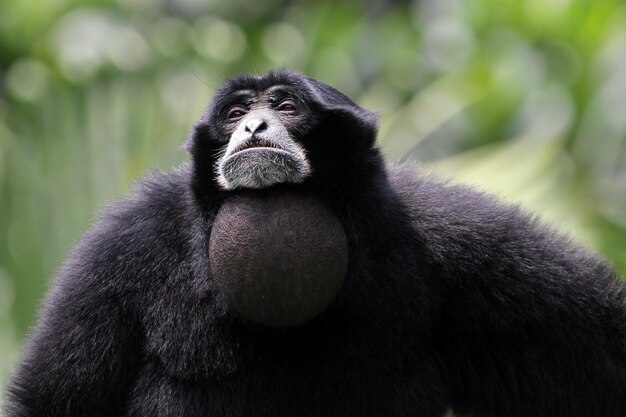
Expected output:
(523, 97)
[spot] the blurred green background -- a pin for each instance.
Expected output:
(525, 98)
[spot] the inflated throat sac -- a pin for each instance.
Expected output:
(279, 257)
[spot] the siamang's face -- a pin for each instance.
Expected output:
(260, 131)
(279, 128)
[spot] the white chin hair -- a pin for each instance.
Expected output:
(260, 170)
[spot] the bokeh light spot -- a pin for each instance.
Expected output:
(218, 39)
(27, 79)
(283, 44)
(168, 36)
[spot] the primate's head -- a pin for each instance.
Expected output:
(279, 128)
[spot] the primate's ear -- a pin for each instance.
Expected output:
(201, 137)
(342, 108)
(193, 138)
(203, 134)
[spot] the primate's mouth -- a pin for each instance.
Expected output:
(259, 166)
(255, 144)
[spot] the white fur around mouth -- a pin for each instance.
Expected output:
(257, 148)
(256, 144)
(260, 167)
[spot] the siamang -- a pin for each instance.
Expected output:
(287, 270)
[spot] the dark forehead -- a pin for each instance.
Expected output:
(265, 82)
(274, 82)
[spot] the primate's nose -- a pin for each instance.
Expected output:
(254, 126)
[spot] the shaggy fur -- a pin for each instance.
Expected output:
(452, 300)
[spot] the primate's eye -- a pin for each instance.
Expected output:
(235, 112)
(286, 106)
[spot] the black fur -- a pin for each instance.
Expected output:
(452, 300)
